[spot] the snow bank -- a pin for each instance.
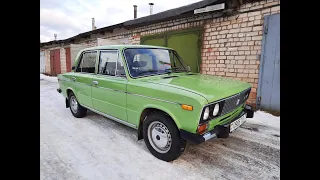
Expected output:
(264, 118)
(48, 78)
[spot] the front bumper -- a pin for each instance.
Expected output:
(197, 138)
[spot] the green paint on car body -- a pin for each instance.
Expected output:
(125, 98)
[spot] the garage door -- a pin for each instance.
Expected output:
(155, 41)
(186, 42)
(55, 62)
(269, 76)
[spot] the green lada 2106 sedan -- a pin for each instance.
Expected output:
(151, 89)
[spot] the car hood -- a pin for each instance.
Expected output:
(210, 87)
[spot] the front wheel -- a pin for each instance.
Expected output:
(162, 137)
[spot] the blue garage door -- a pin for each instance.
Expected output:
(269, 77)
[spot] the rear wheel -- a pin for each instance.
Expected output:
(76, 109)
(162, 137)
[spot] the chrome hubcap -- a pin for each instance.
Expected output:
(159, 137)
(73, 104)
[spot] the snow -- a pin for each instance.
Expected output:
(96, 148)
(263, 118)
(48, 78)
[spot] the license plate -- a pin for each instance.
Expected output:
(235, 124)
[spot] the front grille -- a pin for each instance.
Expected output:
(231, 103)
(226, 105)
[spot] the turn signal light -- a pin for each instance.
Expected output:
(202, 128)
(187, 107)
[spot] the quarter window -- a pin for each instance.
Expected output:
(87, 62)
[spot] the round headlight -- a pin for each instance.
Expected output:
(206, 113)
(215, 110)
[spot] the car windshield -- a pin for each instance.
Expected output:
(153, 61)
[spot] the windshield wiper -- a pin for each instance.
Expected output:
(175, 69)
(147, 71)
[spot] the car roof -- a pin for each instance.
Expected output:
(123, 46)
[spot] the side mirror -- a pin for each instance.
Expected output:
(188, 68)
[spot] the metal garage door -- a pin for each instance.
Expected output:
(42, 62)
(155, 41)
(186, 42)
(55, 62)
(269, 76)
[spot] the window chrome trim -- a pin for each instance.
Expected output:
(111, 117)
(105, 75)
(118, 56)
(80, 57)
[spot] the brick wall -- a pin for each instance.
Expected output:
(232, 45)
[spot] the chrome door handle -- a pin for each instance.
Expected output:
(73, 79)
(95, 82)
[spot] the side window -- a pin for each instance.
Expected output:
(110, 64)
(87, 62)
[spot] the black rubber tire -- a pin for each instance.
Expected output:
(81, 111)
(223, 132)
(178, 144)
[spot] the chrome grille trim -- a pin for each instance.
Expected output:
(229, 104)
(227, 97)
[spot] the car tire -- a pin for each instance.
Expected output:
(158, 130)
(76, 109)
(223, 132)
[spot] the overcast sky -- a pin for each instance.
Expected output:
(68, 18)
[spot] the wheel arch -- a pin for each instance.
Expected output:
(68, 91)
(149, 109)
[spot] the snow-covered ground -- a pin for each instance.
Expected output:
(48, 78)
(96, 148)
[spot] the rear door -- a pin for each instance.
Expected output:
(81, 79)
(109, 85)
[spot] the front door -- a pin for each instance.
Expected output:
(109, 85)
(81, 79)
